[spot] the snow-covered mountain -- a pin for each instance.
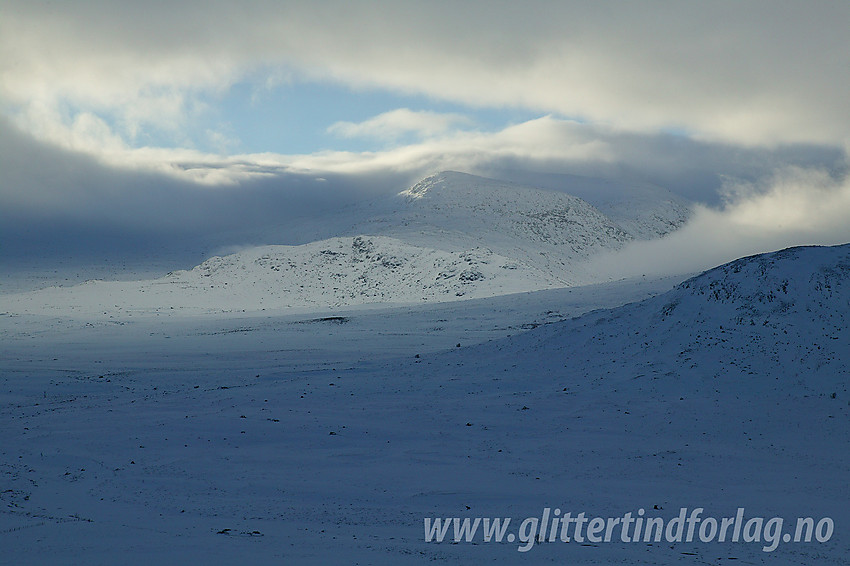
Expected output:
(776, 320)
(358, 270)
(643, 211)
(452, 209)
(551, 231)
(451, 236)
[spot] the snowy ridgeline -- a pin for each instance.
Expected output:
(452, 236)
(362, 269)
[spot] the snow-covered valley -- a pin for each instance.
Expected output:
(320, 436)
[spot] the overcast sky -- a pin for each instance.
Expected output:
(159, 121)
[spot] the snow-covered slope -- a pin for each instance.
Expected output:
(329, 273)
(774, 321)
(324, 440)
(729, 391)
(501, 213)
(362, 269)
(643, 211)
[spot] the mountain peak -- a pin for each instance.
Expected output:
(446, 180)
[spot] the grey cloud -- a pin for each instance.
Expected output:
(49, 194)
(695, 170)
(56, 203)
(755, 72)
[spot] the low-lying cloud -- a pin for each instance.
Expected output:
(794, 207)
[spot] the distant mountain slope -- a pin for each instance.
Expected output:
(364, 269)
(486, 208)
(329, 273)
(550, 231)
(643, 211)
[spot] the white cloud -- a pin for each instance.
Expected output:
(544, 145)
(402, 121)
(537, 141)
(85, 131)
